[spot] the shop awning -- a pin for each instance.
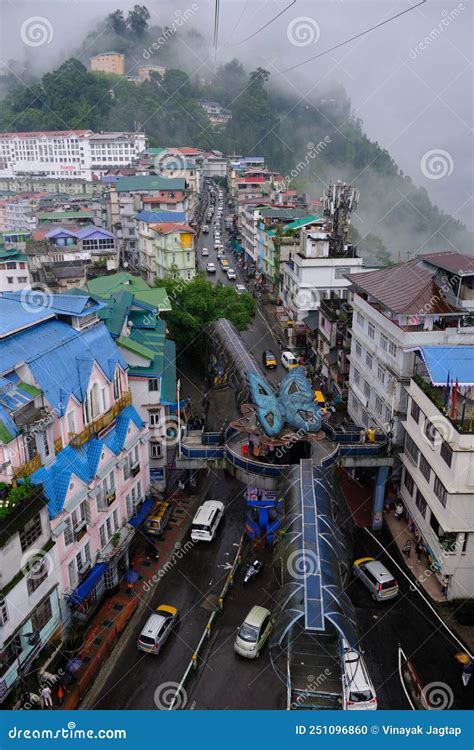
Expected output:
(143, 511)
(174, 405)
(312, 320)
(85, 588)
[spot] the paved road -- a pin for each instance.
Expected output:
(192, 585)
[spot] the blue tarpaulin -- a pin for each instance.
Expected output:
(85, 588)
(139, 517)
(455, 361)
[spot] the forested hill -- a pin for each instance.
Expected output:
(392, 210)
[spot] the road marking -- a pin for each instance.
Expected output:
(400, 652)
(417, 589)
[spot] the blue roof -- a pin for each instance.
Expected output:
(45, 302)
(14, 316)
(179, 217)
(457, 362)
(61, 358)
(82, 462)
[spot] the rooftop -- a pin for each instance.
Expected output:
(149, 182)
(297, 224)
(408, 288)
(457, 263)
(157, 217)
(152, 297)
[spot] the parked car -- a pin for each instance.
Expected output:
(253, 633)
(206, 521)
(375, 576)
(269, 360)
(289, 360)
(231, 275)
(220, 252)
(211, 268)
(240, 289)
(358, 691)
(157, 629)
(159, 516)
(205, 252)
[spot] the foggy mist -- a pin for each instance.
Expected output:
(409, 81)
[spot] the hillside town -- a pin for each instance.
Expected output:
(325, 450)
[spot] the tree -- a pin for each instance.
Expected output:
(199, 302)
(118, 22)
(137, 20)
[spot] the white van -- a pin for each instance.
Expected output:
(358, 690)
(206, 521)
(289, 360)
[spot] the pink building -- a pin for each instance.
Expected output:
(67, 423)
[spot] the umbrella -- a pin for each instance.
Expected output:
(74, 665)
(131, 576)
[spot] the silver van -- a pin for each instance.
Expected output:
(358, 690)
(157, 629)
(206, 521)
(375, 576)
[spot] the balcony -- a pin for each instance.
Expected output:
(26, 469)
(100, 423)
(463, 419)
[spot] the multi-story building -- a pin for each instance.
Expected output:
(14, 271)
(20, 212)
(29, 601)
(79, 154)
(144, 71)
(313, 272)
(331, 343)
(130, 195)
(437, 482)
(89, 250)
(166, 248)
(109, 62)
(133, 319)
(396, 310)
(214, 165)
(67, 423)
(217, 114)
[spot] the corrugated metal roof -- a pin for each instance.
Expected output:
(149, 182)
(406, 288)
(457, 362)
(457, 263)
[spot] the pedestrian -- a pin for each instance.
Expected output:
(46, 696)
(407, 548)
(467, 672)
(362, 435)
(61, 693)
(251, 446)
(180, 485)
(280, 343)
(399, 511)
(419, 549)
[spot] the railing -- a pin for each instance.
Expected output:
(193, 664)
(28, 468)
(98, 424)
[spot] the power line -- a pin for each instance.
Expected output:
(352, 38)
(216, 27)
(265, 25)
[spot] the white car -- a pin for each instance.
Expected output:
(289, 360)
(240, 289)
(358, 691)
(231, 275)
(205, 252)
(205, 229)
(211, 268)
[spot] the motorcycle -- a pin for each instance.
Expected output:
(252, 570)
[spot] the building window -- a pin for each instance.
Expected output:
(371, 331)
(431, 432)
(71, 422)
(425, 468)
(360, 320)
(440, 491)
(102, 537)
(392, 349)
(356, 377)
(411, 450)
(408, 482)
(383, 342)
(41, 615)
(366, 389)
(30, 533)
(446, 452)
(378, 405)
(358, 349)
(368, 360)
(415, 411)
(3, 612)
(381, 374)
(420, 503)
(38, 573)
(154, 418)
(155, 450)
(153, 384)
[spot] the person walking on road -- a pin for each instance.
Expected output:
(399, 511)
(407, 548)
(46, 696)
(419, 549)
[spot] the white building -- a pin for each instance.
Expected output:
(14, 271)
(394, 311)
(214, 165)
(312, 273)
(437, 483)
(68, 154)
